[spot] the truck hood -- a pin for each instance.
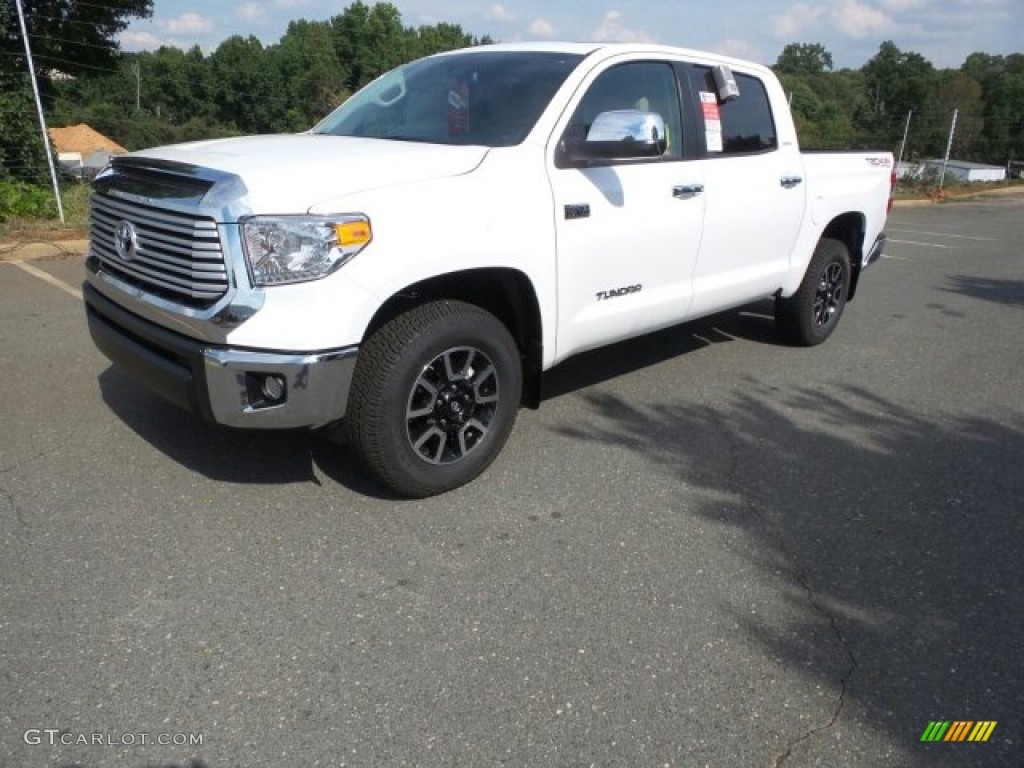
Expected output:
(293, 173)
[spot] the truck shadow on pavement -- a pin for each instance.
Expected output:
(230, 455)
(1008, 292)
(754, 322)
(899, 537)
(279, 457)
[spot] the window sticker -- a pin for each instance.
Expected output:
(712, 121)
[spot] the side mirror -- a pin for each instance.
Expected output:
(725, 83)
(624, 134)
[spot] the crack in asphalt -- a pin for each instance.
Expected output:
(14, 507)
(801, 578)
(31, 459)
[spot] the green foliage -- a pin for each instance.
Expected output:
(169, 95)
(1002, 84)
(804, 59)
(67, 37)
(244, 86)
(248, 93)
(26, 201)
(22, 153)
(312, 75)
(870, 107)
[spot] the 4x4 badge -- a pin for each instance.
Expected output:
(126, 241)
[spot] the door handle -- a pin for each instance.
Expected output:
(687, 190)
(790, 181)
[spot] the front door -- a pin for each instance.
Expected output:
(628, 232)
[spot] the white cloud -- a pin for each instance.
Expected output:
(897, 6)
(251, 11)
(797, 19)
(858, 20)
(189, 24)
(740, 49)
(499, 13)
(542, 28)
(139, 41)
(613, 29)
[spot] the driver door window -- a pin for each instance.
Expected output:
(647, 86)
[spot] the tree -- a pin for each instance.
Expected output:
(1002, 84)
(804, 59)
(898, 82)
(1004, 118)
(314, 79)
(249, 93)
(174, 84)
(442, 37)
(955, 91)
(22, 156)
(824, 103)
(369, 42)
(66, 37)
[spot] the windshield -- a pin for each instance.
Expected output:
(492, 98)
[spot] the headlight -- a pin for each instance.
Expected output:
(293, 249)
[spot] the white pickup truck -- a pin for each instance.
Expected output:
(405, 272)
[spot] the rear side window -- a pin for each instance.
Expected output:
(745, 124)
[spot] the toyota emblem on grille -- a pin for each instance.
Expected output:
(126, 241)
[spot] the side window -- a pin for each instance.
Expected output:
(746, 123)
(649, 86)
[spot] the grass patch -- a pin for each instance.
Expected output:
(952, 191)
(29, 212)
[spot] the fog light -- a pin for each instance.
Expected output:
(272, 388)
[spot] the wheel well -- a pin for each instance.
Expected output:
(506, 293)
(849, 230)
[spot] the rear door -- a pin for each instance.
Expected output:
(754, 193)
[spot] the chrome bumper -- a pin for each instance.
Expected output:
(220, 383)
(315, 392)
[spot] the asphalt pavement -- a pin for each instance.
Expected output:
(705, 549)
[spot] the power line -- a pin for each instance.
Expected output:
(49, 38)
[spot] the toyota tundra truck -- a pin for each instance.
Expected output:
(403, 274)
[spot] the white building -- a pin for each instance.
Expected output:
(966, 172)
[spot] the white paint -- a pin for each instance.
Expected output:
(46, 277)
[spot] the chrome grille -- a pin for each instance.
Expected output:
(175, 255)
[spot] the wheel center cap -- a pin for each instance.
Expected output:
(455, 406)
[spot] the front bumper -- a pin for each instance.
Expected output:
(218, 382)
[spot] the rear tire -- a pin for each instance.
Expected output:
(434, 397)
(810, 315)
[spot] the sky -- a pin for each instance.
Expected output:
(943, 31)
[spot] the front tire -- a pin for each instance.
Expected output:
(434, 397)
(811, 314)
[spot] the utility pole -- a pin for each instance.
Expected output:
(903, 144)
(39, 109)
(138, 86)
(949, 146)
